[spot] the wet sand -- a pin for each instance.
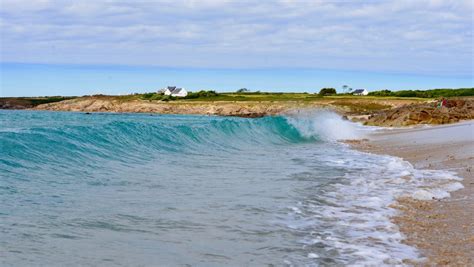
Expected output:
(442, 229)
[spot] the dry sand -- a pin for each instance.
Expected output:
(442, 229)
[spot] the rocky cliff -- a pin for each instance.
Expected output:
(425, 113)
(372, 111)
(223, 108)
(243, 109)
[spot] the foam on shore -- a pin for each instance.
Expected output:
(362, 207)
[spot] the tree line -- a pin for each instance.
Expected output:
(433, 93)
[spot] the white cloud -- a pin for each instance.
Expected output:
(429, 36)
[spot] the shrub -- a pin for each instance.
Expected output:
(147, 95)
(434, 93)
(201, 94)
(327, 91)
(381, 93)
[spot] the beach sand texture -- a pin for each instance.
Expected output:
(442, 229)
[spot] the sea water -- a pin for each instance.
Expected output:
(171, 190)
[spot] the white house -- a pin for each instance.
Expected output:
(360, 92)
(165, 91)
(174, 91)
(179, 92)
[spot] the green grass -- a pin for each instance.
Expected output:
(344, 96)
(263, 96)
(44, 100)
(34, 101)
(258, 97)
(433, 93)
(236, 97)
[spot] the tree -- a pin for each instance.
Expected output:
(327, 91)
(242, 90)
(344, 88)
(201, 94)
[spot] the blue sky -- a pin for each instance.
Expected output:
(84, 47)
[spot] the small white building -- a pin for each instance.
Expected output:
(174, 91)
(165, 91)
(360, 92)
(179, 92)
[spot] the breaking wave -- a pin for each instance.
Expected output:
(312, 201)
(103, 136)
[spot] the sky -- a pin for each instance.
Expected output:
(84, 47)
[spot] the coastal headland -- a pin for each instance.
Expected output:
(371, 110)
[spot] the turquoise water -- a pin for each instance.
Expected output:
(141, 189)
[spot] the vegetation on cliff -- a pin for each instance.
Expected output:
(212, 96)
(433, 93)
(327, 91)
(28, 102)
(245, 95)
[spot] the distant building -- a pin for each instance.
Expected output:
(179, 92)
(174, 91)
(360, 92)
(167, 90)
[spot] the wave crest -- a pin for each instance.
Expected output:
(326, 125)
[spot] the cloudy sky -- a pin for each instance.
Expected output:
(423, 38)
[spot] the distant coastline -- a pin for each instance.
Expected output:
(382, 108)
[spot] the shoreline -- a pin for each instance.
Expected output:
(442, 229)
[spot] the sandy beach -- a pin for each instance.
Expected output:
(442, 229)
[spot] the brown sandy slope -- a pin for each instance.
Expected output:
(224, 108)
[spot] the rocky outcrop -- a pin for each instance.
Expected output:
(428, 113)
(385, 112)
(242, 109)
(249, 109)
(13, 103)
(28, 102)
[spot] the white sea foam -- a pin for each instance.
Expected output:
(325, 124)
(357, 212)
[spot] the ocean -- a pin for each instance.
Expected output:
(179, 190)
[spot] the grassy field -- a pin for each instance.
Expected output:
(376, 97)
(261, 97)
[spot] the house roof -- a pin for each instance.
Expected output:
(176, 91)
(356, 91)
(172, 89)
